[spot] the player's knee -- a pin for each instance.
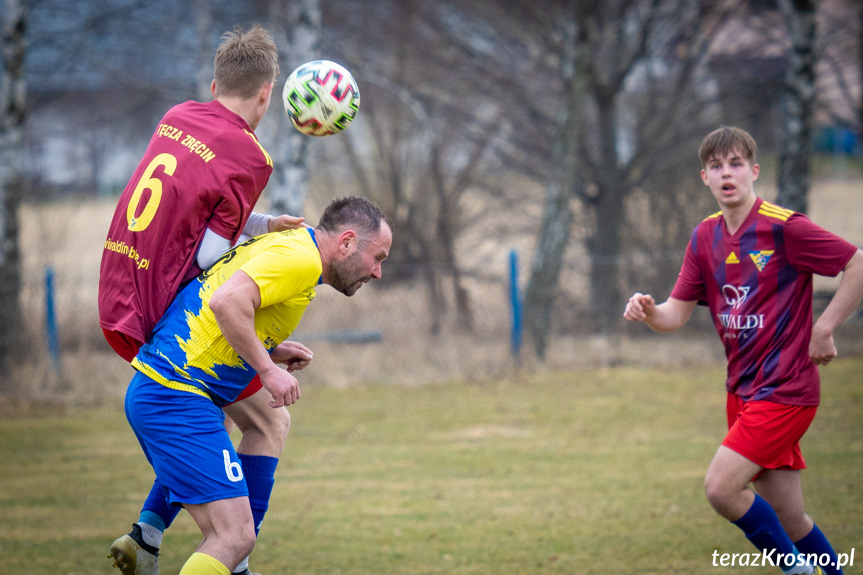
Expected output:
(245, 540)
(717, 493)
(279, 425)
(276, 427)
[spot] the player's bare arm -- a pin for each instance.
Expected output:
(822, 348)
(665, 317)
(234, 304)
(292, 354)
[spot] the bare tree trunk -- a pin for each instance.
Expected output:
(446, 233)
(604, 244)
(798, 102)
(13, 92)
(557, 213)
(296, 27)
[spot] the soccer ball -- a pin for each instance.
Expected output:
(321, 98)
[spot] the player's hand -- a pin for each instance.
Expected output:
(822, 349)
(286, 222)
(283, 386)
(293, 354)
(640, 307)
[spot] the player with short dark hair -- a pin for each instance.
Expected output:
(752, 264)
(189, 200)
(226, 325)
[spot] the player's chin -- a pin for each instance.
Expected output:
(354, 287)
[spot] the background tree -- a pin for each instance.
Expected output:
(296, 28)
(841, 57)
(13, 98)
(557, 214)
(798, 105)
(643, 106)
(427, 138)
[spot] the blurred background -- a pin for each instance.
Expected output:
(538, 158)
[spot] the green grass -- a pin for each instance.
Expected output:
(584, 472)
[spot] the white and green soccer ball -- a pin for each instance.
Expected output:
(321, 98)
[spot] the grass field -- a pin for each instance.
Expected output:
(581, 472)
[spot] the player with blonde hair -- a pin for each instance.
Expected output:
(188, 202)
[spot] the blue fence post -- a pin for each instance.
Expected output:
(51, 319)
(515, 300)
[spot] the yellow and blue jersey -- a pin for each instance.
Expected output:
(188, 351)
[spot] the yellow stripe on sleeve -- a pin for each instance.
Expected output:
(255, 140)
(774, 211)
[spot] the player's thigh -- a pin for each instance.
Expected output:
(232, 515)
(227, 527)
(255, 413)
(729, 471)
(782, 489)
(184, 437)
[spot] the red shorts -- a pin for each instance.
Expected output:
(250, 390)
(127, 348)
(767, 433)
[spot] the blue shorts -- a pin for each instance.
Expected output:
(184, 438)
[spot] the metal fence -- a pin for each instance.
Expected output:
(386, 333)
(389, 332)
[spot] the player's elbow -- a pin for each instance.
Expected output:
(220, 303)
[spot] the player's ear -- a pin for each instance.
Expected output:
(346, 240)
(266, 92)
(213, 88)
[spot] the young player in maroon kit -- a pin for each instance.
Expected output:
(752, 263)
(187, 203)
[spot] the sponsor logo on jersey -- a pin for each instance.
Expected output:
(735, 296)
(761, 258)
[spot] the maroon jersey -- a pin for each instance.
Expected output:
(203, 168)
(757, 284)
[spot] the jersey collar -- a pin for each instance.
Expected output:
(315, 239)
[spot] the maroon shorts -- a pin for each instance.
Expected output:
(767, 433)
(127, 348)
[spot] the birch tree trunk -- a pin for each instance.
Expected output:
(296, 28)
(557, 213)
(798, 102)
(12, 114)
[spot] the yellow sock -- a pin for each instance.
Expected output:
(201, 564)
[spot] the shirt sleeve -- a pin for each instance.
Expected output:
(283, 272)
(812, 249)
(212, 247)
(690, 281)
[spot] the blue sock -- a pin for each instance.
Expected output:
(259, 471)
(817, 544)
(156, 510)
(762, 527)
